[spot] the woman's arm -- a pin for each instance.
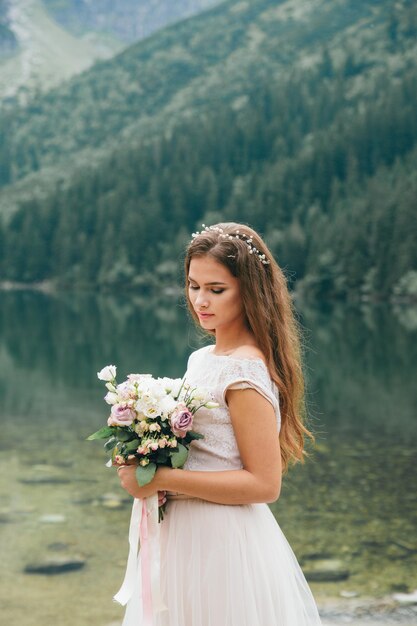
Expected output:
(255, 427)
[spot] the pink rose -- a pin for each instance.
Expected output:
(121, 415)
(181, 420)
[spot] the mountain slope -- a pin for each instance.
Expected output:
(45, 43)
(179, 72)
(320, 156)
(127, 20)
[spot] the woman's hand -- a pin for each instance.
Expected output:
(127, 476)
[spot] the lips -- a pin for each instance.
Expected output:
(204, 315)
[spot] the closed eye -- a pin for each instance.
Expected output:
(194, 288)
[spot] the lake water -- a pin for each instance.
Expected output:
(353, 500)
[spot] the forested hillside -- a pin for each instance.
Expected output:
(319, 154)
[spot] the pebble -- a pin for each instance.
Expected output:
(59, 564)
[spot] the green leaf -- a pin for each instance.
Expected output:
(123, 433)
(110, 444)
(145, 474)
(193, 435)
(103, 433)
(179, 457)
(132, 445)
(162, 455)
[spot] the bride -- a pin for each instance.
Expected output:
(224, 559)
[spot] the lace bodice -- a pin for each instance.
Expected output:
(217, 373)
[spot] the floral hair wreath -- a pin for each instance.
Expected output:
(238, 235)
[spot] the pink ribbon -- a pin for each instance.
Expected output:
(142, 582)
(145, 567)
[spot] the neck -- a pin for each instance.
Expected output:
(227, 340)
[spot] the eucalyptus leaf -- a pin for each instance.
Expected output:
(193, 435)
(162, 455)
(179, 457)
(110, 444)
(103, 433)
(122, 434)
(145, 474)
(132, 445)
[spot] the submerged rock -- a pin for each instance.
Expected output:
(58, 564)
(406, 598)
(45, 480)
(326, 570)
(344, 593)
(52, 518)
(112, 501)
(58, 546)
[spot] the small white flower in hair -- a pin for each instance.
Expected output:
(238, 235)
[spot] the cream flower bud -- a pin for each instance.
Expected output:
(107, 373)
(212, 405)
(111, 398)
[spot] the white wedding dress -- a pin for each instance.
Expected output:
(226, 565)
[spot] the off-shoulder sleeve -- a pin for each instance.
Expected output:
(249, 373)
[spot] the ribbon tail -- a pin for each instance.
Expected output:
(154, 527)
(145, 560)
(130, 580)
(143, 571)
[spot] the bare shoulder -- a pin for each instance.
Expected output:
(248, 352)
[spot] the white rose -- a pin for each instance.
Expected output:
(126, 391)
(166, 406)
(171, 385)
(111, 387)
(154, 389)
(107, 373)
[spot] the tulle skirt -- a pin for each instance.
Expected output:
(224, 565)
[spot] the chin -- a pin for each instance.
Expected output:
(206, 325)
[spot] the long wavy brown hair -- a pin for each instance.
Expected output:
(270, 315)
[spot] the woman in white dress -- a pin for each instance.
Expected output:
(224, 558)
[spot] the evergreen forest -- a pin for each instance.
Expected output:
(304, 128)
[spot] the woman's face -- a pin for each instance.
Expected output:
(214, 294)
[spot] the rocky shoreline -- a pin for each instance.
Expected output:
(387, 610)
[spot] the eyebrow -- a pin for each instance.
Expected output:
(212, 283)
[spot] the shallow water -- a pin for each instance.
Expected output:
(353, 500)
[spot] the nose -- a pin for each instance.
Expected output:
(201, 300)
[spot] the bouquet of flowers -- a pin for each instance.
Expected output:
(150, 420)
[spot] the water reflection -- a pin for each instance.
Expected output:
(353, 501)
(361, 368)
